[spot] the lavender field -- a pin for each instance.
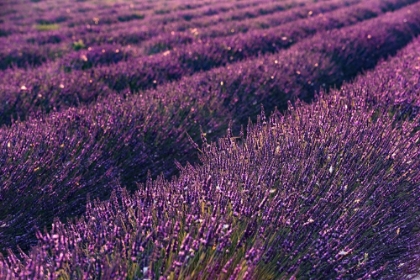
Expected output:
(204, 139)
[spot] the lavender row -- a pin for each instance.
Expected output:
(26, 54)
(146, 72)
(50, 15)
(84, 96)
(107, 17)
(323, 62)
(89, 34)
(303, 195)
(180, 12)
(250, 12)
(393, 84)
(222, 10)
(169, 41)
(50, 12)
(30, 56)
(174, 39)
(42, 92)
(173, 27)
(129, 36)
(55, 160)
(62, 19)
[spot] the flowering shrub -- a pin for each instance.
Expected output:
(316, 193)
(291, 12)
(95, 129)
(23, 58)
(121, 138)
(292, 72)
(94, 56)
(203, 56)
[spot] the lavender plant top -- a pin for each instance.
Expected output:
(114, 157)
(323, 192)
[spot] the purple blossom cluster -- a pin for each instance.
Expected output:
(322, 192)
(95, 56)
(327, 64)
(92, 33)
(90, 14)
(118, 164)
(169, 41)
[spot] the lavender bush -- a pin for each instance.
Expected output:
(169, 41)
(95, 56)
(123, 138)
(322, 71)
(313, 194)
(92, 37)
(98, 149)
(93, 130)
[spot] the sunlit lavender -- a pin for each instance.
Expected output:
(178, 139)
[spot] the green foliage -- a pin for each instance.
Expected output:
(47, 27)
(78, 45)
